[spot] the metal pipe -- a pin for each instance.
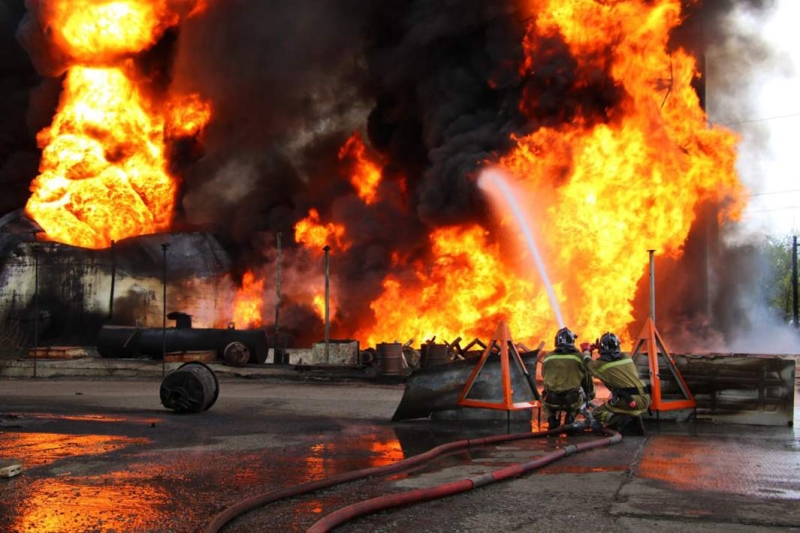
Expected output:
(113, 281)
(164, 247)
(35, 306)
(794, 281)
(652, 286)
(278, 261)
(327, 250)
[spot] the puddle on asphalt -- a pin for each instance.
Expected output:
(65, 500)
(121, 501)
(727, 465)
(41, 449)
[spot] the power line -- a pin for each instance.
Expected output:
(777, 117)
(770, 210)
(775, 192)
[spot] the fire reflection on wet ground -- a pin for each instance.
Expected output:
(117, 501)
(70, 497)
(41, 449)
(728, 465)
(116, 472)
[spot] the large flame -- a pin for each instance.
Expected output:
(464, 292)
(602, 192)
(248, 302)
(366, 174)
(104, 173)
(314, 235)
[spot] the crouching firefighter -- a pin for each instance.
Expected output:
(565, 377)
(629, 396)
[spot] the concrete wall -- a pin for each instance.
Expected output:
(75, 285)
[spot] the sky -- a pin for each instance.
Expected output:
(764, 106)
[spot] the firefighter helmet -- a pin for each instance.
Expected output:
(609, 344)
(565, 338)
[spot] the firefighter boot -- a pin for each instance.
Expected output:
(552, 422)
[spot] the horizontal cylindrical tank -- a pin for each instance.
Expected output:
(128, 341)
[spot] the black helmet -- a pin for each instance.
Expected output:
(609, 344)
(565, 338)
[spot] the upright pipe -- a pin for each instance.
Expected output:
(278, 260)
(652, 286)
(794, 281)
(164, 247)
(113, 282)
(327, 250)
(35, 306)
(278, 290)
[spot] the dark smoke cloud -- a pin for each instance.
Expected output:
(436, 85)
(284, 78)
(19, 156)
(447, 96)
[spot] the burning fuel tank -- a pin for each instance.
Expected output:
(118, 342)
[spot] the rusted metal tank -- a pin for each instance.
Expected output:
(129, 341)
(390, 359)
(236, 354)
(432, 354)
(192, 388)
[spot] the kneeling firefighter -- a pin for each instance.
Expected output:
(629, 396)
(565, 378)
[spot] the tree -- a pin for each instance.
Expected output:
(776, 278)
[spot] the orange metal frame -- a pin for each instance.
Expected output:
(651, 337)
(503, 338)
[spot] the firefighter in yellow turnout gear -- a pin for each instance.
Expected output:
(564, 376)
(629, 396)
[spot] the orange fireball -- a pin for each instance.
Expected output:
(248, 302)
(365, 174)
(314, 235)
(103, 174)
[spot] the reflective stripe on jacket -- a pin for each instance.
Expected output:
(621, 374)
(562, 372)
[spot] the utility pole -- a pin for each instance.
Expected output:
(164, 247)
(113, 282)
(794, 282)
(652, 286)
(35, 306)
(327, 250)
(277, 299)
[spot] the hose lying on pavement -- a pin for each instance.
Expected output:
(246, 505)
(390, 501)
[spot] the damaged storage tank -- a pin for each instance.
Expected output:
(131, 341)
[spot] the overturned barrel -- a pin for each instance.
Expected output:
(192, 388)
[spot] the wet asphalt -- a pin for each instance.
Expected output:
(105, 455)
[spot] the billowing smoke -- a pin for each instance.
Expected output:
(437, 88)
(22, 102)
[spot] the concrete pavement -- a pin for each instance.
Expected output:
(104, 455)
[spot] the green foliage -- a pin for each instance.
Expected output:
(776, 280)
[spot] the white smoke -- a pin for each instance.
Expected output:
(755, 91)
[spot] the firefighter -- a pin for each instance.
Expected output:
(629, 396)
(564, 376)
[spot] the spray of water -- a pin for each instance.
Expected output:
(495, 179)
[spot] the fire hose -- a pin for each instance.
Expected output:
(395, 500)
